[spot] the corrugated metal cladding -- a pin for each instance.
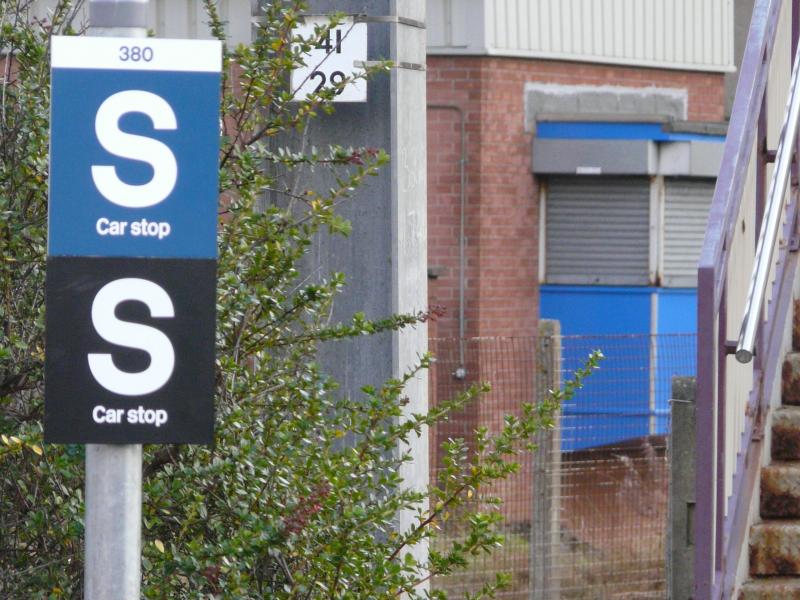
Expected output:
(177, 18)
(684, 34)
(686, 206)
(597, 230)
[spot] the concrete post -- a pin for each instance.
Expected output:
(680, 547)
(113, 492)
(385, 257)
(545, 524)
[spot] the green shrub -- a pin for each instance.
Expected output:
(299, 495)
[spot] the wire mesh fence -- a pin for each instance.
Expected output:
(586, 515)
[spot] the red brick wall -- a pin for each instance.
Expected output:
(502, 206)
(502, 216)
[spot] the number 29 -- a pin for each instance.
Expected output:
(336, 78)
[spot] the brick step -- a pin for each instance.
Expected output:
(786, 433)
(771, 588)
(780, 491)
(790, 379)
(775, 548)
(796, 325)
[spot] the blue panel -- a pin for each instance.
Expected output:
(590, 130)
(615, 403)
(597, 310)
(81, 219)
(677, 344)
(677, 310)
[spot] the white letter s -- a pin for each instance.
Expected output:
(135, 147)
(132, 335)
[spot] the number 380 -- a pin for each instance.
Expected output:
(135, 53)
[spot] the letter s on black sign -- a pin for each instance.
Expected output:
(132, 335)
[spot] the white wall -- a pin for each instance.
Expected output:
(177, 18)
(682, 34)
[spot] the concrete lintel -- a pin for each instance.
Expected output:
(570, 100)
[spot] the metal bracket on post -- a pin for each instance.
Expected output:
(390, 19)
(118, 13)
(730, 348)
(118, 18)
(398, 65)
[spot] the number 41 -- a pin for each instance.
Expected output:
(324, 42)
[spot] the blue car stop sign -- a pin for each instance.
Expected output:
(134, 147)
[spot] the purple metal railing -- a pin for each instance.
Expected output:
(721, 517)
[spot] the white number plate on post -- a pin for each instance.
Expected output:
(335, 56)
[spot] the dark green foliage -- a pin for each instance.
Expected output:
(299, 496)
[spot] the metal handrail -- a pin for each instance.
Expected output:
(772, 219)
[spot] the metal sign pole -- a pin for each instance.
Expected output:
(113, 522)
(114, 472)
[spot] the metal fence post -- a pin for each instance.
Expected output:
(114, 473)
(680, 546)
(545, 526)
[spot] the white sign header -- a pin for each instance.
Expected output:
(136, 54)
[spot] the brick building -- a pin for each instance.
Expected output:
(584, 65)
(572, 149)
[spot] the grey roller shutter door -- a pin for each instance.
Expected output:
(597, 230)
(686, 206)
